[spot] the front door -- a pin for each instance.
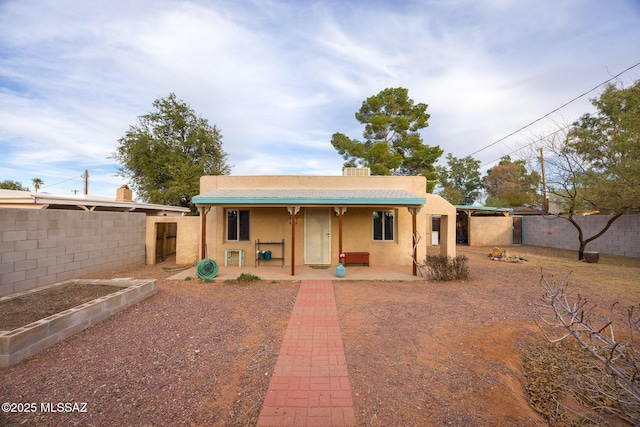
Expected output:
(317, 236)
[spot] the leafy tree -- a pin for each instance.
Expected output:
(594, 166)
(392, 142)
(168, 150)
(37, 183)
(509, 184)
(460, 180)
(12, 185)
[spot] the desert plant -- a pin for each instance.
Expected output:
(608, 380)
(445, 268)
(247, 277)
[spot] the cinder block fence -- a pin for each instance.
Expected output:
(40, 247)
(622, 239)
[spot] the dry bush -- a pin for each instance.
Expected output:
(599, 371)
(444, 268)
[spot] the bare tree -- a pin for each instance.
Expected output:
(593, 165)
(611, 382)
(573, 186)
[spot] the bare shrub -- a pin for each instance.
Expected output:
(608, 380)
(444, 268)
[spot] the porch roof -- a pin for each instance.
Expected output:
(309, 197)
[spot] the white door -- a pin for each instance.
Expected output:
(317, 236)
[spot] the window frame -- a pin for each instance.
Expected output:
(384, 231)
(242, 215)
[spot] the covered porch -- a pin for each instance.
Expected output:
(305, 224)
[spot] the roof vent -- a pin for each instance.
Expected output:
(356, 171)
(124, 194)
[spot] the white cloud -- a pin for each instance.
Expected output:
(278, 78)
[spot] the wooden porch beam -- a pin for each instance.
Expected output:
(414, 214)
(340, 232)
(340, 210)
(203, 232)
(293, 210)
(293, 241)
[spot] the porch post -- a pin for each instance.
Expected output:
(203, 232)
(340, 211)
(414, 214)
(339, 233)
(293, 210)
(293, 241)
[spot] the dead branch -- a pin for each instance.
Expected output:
(612, 382)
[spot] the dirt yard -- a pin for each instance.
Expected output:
(418, 353)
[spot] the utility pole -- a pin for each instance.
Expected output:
(545, 205)
(86, 181)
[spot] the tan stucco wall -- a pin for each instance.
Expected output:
(187, 243)
(413, 184)
(273, 223)
(436, 205)
(490, 231)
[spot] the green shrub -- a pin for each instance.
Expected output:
(247, 277)
(444, 269)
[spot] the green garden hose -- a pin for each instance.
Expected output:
(207, 269)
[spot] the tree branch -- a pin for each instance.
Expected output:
(560, 316)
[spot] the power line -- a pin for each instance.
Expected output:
(554, 111)
(62, 182)
(527, 145)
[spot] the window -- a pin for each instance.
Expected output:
(237, 224)
(383, 225)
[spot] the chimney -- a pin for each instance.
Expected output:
(123, 194)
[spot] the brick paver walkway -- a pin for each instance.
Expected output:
(310, 384)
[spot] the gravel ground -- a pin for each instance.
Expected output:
(193, 354)
(418, 354)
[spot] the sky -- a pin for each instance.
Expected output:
(279, 78)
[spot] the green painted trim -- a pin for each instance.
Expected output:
(203, 200)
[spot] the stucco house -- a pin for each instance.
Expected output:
(291, 221)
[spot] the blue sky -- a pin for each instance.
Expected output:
(280, 77)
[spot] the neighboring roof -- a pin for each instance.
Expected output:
(482, 209)
(297, 196)
(27, 199)
(527, 210)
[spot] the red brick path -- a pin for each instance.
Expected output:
(310, 384)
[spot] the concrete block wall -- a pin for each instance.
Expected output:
(40, 247)
(622, 239)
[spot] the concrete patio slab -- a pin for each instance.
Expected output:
(305, 272)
